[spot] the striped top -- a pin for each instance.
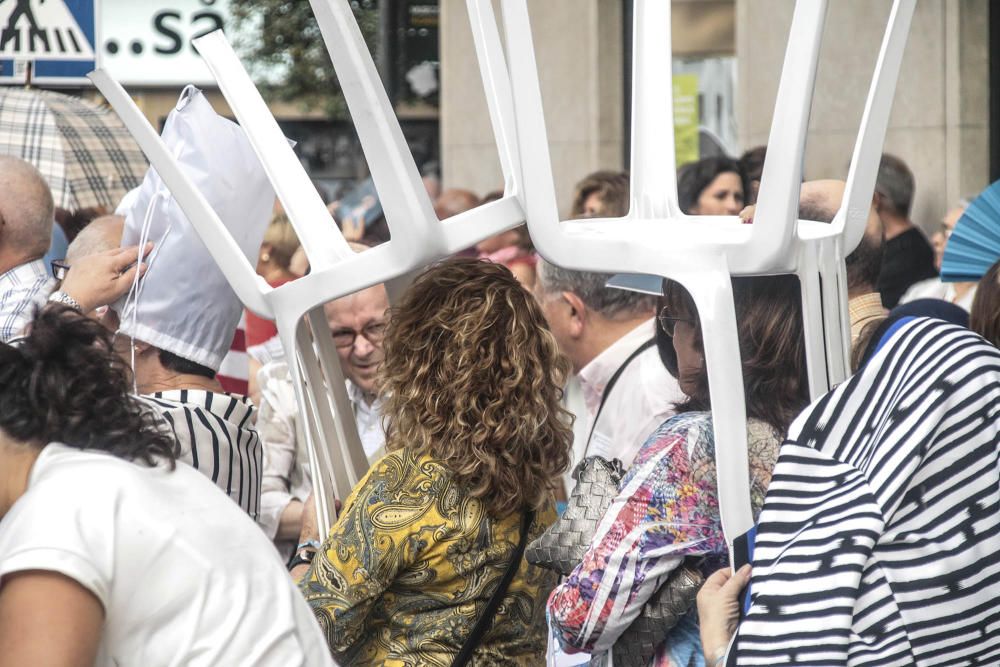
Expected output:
(22, 289)
(217, 437)
(878, 540)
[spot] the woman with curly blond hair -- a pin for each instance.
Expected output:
(424, 565)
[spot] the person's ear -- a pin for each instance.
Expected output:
(265, 252)
(577, 318)
(110, 320)
(877, 203)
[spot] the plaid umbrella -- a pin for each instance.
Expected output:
(83, 151)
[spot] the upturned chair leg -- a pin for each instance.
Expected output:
(713, 294)
(347, 443)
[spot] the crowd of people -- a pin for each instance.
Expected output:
(476, 395)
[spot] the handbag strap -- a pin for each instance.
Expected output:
(485, 621)
(611, 385)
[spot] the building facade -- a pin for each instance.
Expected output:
(940, 123)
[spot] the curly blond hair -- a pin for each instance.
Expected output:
(473, 378)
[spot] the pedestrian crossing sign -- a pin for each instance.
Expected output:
(42, 29)
(57, 37)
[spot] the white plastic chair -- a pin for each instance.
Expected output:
(418, 238)
(702, 253)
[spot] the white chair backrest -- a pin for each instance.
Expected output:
(702, 254)
(418, 238)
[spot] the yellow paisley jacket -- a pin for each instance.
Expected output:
(410, 565)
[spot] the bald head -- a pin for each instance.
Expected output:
(820, 201)
(454, 201)
(102, 234)
(26, 212)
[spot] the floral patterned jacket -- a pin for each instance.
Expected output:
(667, 509)
(409, 566)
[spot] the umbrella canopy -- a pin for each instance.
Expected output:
(84, 152)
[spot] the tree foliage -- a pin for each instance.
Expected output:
(281, 42)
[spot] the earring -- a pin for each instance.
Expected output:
(265, 257)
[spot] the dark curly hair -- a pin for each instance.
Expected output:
(473, 378)
(64, 383)
(772, 347)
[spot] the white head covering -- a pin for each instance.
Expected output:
(127, 202)
(183, 304)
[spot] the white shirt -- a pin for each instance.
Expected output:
(641, 400)
(184, 576)
(23, 289)
(287, 476)
(369, 418)
(933, 288)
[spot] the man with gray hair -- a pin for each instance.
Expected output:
(26, 219)
(908, 257)
(609, 336)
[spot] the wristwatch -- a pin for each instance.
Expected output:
(304, 554)
(65, 299)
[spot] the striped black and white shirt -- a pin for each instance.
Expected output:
(879, 541)
(216, 436)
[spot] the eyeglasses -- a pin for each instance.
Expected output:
(373, 332)
(668, 323)
(59, 269)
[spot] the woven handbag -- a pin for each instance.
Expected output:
(676, 597)
(563, 545)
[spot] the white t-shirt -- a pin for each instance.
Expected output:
(184, 575)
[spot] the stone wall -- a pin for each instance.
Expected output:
(940, 117)
(578, 45)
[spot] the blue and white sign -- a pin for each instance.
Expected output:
(58, 37)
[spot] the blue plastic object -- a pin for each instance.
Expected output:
(974, 244)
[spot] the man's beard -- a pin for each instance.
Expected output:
(864, 264)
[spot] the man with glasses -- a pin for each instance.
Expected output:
(357, 325)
